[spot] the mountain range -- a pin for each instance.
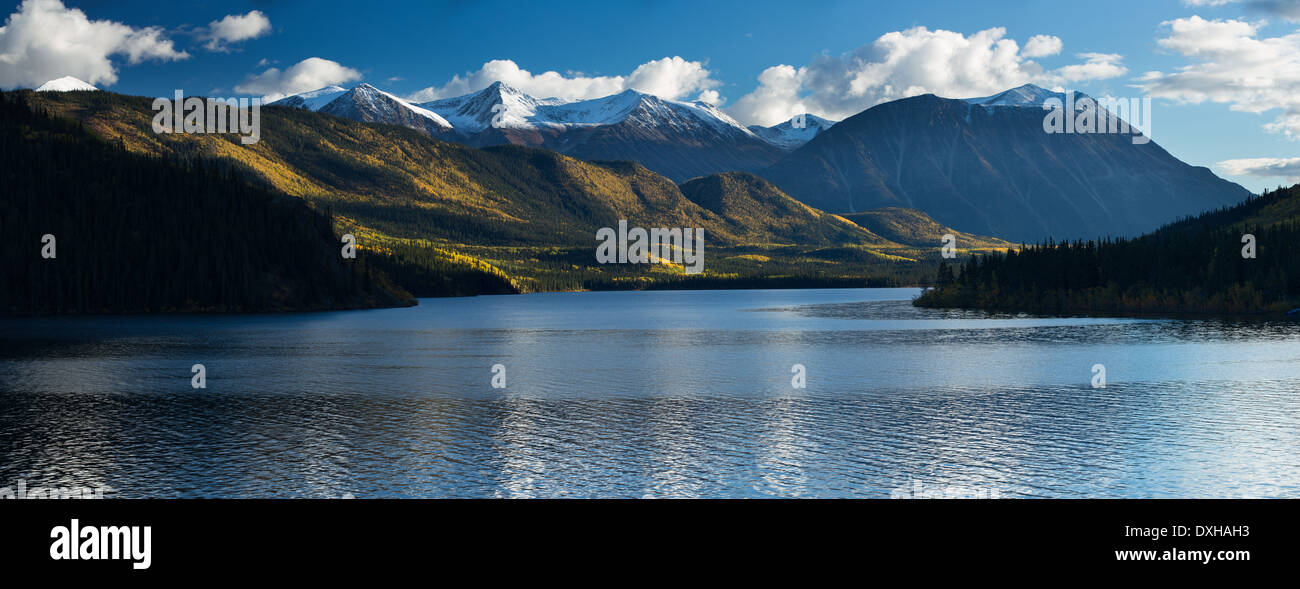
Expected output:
(681, 140)
(982, 165)
(524, 213)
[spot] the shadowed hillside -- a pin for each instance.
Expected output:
(135, 233)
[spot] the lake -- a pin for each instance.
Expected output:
(652, 394)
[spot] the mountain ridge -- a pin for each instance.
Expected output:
(995, 171)
(680, 140)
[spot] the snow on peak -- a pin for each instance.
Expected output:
(371, 96)
(500, 105)
(793, 133)
(1028, 95)
(314, 99)
(65, 84)
(380, 106)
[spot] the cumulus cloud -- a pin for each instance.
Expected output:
(907, 63)
(673, 78)
(234, 28)
(776, 99)
(1096, 66)
(1232, 64)
(308, 74)
(46, 40)
(712, 97)
(1265, 167)
(1042, 46)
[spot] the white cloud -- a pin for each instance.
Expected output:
(1233, 65)
(1265, 167)
(308, 74)
(712, 97)
(1096, 66)
(775, 100)
(907, 63)
(671, 77)
(46, 40)
(234, 28)
(1042, 46)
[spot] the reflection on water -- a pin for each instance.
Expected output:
(648, 395)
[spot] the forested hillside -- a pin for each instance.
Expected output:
(514, 218)
(1192, 266)
(136, 233)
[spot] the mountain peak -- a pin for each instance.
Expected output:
(632, 93)
(502, 87)
(1029, 95)
(985, 166)
(65, 84)
(368, 103)
(795, 132)
(313, 99)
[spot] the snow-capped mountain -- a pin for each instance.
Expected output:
(313, 100)
(512, 108)
(793, 133)
(369, 104)
(1029, 96)
(65, 84)
(680, 140)
(509, 107)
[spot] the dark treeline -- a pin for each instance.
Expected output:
(1195, 265)
(141, 234)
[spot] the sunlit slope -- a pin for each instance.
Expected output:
(745, 202)
(915, 228)
(406, 184)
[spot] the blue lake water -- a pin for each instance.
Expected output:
(652, 394)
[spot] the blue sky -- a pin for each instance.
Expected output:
(841, 56)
